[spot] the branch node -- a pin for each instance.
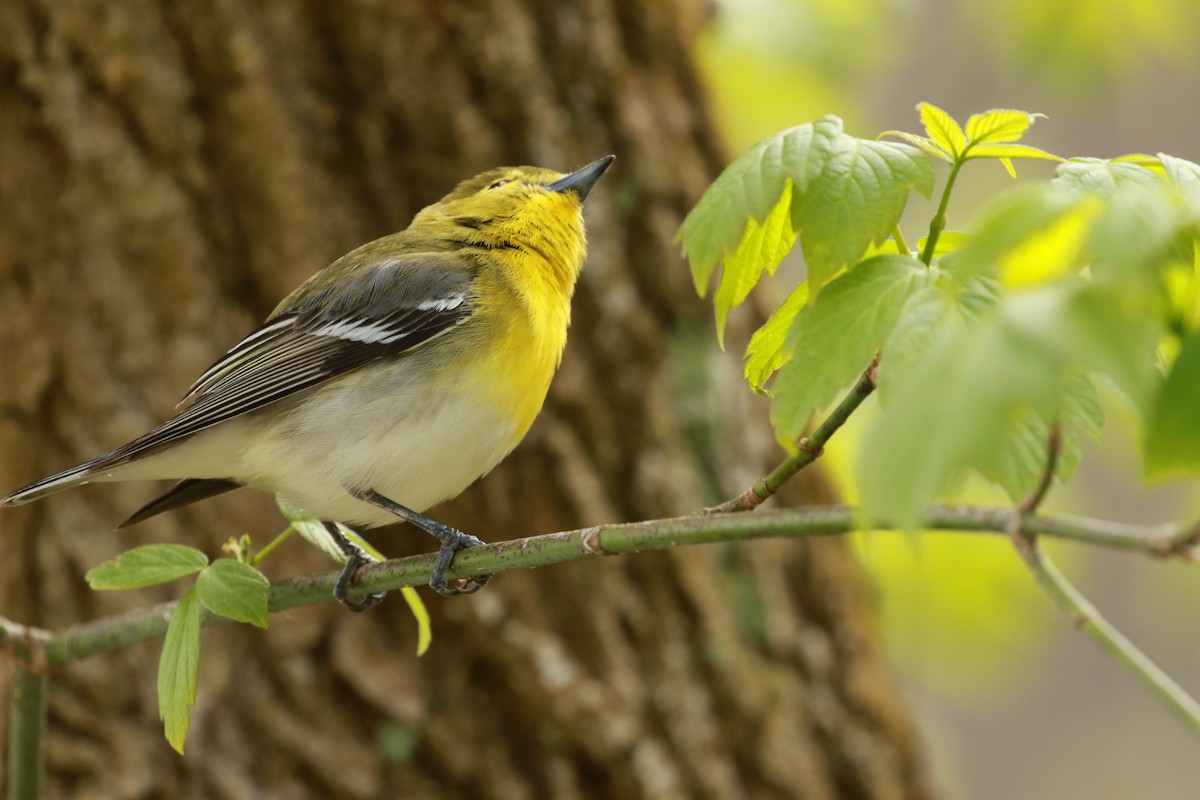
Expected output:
(815, 452)
(590, 541)
(25, 645)
(1181, 545)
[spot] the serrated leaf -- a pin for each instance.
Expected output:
(1021, 460)
(929, 315)
(857, 199)
(999, 125)
(1172, 443)
(1004, 153)
(1101, 177)
(234, 590)
(762, 247)
(1052, 252)
(1185, 175)
(178, 668)
(1012, 221)
(846, 193)
(834, 338)
(1116, 333)
(748, 189)
(766, 352)
(942, 129)
(924, 143)
(1011, 151)
(956, 411)
(147, 565)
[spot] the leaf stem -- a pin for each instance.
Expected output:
(901, 243)
(938, 223)
(271, 545)
(26, 724)
(810, 448)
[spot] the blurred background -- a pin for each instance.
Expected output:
(1011, 700)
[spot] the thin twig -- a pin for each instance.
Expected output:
(1091, 622)
(1053, 450)
(1024, 534)
(113, 633)
(808, 449)
(26, 723)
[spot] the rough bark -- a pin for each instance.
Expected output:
(168, 170)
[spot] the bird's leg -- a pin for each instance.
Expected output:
(452, 541)
(356, 557)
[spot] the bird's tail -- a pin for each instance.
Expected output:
(74, 476)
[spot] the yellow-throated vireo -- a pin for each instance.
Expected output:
(390, 380)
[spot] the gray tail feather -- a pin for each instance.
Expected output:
(74, 476)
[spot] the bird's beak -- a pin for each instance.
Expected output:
(583, 179)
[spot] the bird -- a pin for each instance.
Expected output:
(390, 380)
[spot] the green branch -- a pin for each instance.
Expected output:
(810, 448)
(114, 633)
(27, 722)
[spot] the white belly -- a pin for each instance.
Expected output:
(408, 447)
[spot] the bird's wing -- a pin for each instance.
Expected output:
(383, 313)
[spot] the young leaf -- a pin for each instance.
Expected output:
(762, 247)
(1172, 445)
(834, 338)
(178, 668)
(924, 143)
(766, 352)
(942, 129)
(234, 590)
(1011, 222)
(999, 125)
(846, 193)
(147, 565)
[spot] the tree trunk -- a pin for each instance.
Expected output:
(168, 171)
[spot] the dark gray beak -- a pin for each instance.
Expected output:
(583, 179)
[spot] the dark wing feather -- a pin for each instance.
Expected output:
(296, 350)
(181, 494)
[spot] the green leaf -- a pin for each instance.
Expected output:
(928, 145)
(957, 410)
(766, 352)
(1113, 330)
(1021, 461)
(857, 199)
(834, 338)
(1185, 175)
(1015, 220)
(178, 668)
(147, 565)
(1172, 444)
(846, 193)
(1103, 178)
(999, 125)
(762, 248)
(234, 590)
(930, 314)
(942, 129)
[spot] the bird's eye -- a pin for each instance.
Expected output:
(499, 183)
